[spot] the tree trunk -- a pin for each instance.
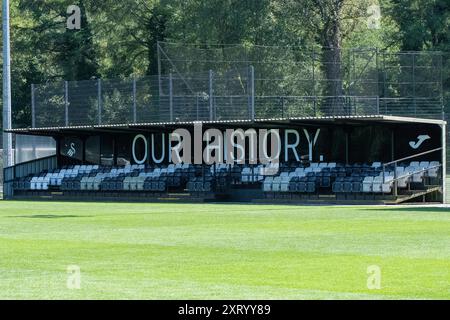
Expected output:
(334, 102)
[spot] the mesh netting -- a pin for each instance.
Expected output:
(233, 82)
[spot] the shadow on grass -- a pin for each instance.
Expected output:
(49, 216)
(411, 209)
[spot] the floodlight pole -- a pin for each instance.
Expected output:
(7, 123)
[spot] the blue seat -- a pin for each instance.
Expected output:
(325, 181)
(347, 185)
(311, 187)
(338, 185)
(301, 187)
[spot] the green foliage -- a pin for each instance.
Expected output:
(423, 24)
(119, 38)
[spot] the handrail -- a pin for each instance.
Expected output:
(396, 178)
(16, 167)
(413, 156)
(415, 172)
(30, 161)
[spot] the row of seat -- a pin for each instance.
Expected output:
(201, 178)
(371, 179)
(201, 184)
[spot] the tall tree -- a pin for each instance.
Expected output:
(329, 22)
(75, 51)
(429, 27)
(70, 52)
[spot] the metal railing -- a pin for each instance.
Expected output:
(103, 102)
(24, 169)
(409, 174)
(233, 82)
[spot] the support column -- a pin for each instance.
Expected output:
(7, 114)
(392, 144)
(58, 150)
(83, 150)
(445, 180)
(347, 146)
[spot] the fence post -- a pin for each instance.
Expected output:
(33, 107)
(395, 180)
(170, 97)
(414, 82)
(66, 103)
(315, 106)
(158, 54)
(314, 80)
(211, 104)
(252, 93)
(196, 103)
(378, 105)
(99, 89)
(134, 101)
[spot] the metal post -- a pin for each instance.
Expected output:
(392, 144)
(196, 103)
(347, 147)
(7, 114)
(441, 89)
(414, 82)
(66, 103)
(134, 101)
(252, 93)
(315, 106)
(211, 104)
(314, 78)
(377, 67)
(395, 180)
(159, 68)
(99, 88)
(170, 97)
(33, 107)
(378, 105)
(385, 92)
(444, 164)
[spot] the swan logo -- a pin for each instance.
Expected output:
(72, 150)
(420, 139)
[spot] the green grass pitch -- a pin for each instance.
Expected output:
(222, 251)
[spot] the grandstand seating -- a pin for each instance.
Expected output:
(272, 179)
(357, 178)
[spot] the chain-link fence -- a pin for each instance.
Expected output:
(246, 82)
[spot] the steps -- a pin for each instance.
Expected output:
(415, 194)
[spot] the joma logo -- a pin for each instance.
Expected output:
(420, 139)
